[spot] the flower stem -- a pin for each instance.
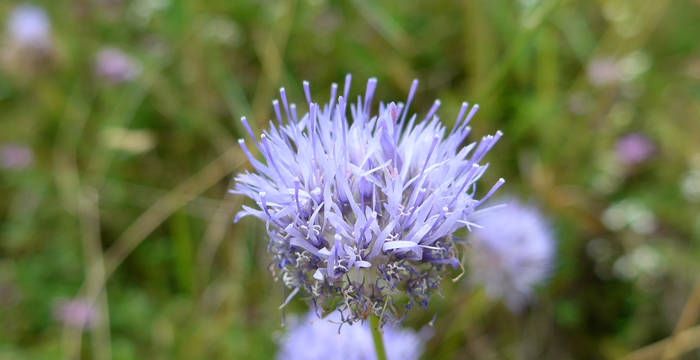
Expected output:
(377, 337)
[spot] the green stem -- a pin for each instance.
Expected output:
(377, 337)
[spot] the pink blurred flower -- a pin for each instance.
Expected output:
(604, 71)
(633, 149)
(115, 66)
(77, 313)
(15, 156)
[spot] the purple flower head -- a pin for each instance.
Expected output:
(76, 313)
(29, 26)
(361, 207)
(633, 149)
(115, 66)
(324, 339)
(513, 251)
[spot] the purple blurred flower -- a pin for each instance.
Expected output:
(633, 149)
(115, 66)
(363, 208)
(513, 251)
(76, 313)
(320, 339)
(29, 26)
(15, 156)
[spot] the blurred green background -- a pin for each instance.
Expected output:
(115, 188)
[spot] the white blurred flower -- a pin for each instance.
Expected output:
(608, 70)
(634, 64)
(629, 214)
(643, 260)
(690, 185)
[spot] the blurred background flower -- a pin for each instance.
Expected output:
(15, 156)
(604, 71)
(28, 44)
(314, 338)
(513, 250)
(29, 26)
(113, 65)
(633, 149)
(76, 313)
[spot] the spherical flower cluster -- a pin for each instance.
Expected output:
(324, 339)
(511, 252)
(359, 210)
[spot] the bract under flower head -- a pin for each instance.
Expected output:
(363, 207)
(512, 252)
